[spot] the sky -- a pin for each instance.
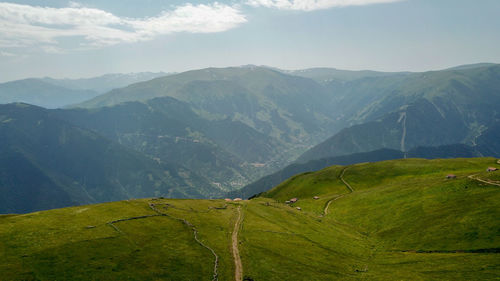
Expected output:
(74, 39)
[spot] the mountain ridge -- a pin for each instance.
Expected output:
(456, 105)
(77, 166)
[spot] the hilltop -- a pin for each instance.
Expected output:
(390, 220)
(267, 182)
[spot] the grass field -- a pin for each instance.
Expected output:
(403, 221)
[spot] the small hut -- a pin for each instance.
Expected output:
(451, 176)
(299, 208)
(237, 199)
(228, 200)
(287, 202)
(293, 200)
(316, 197)
(491, 169)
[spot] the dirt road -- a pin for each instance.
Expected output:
(325, 211)
(238, 268)
(346, 183)
(483, 181)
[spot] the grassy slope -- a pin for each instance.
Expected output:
(383, 230)
(55, 244)
(408, 205)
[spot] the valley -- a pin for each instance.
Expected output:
(241, 130)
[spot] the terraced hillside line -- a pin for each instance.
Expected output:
(112, 223)
(238, 268)
(195, 234)
(342, 179)
(474, 251)
(481, 180)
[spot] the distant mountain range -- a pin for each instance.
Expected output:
(56, 93)
(104, 83)
(421, 109)
(41, 93)
(290, 109)
(328, 75)
(211, 131)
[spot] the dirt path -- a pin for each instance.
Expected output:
(238, 268)
(484, 181)
(342, 179)
(325, 211)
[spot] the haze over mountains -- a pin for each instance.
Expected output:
(38, 92)
(206, 132)
(55, 93)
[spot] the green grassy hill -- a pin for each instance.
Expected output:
(408, 204)
(390, 220)
(269, 181)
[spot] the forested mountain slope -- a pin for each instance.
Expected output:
(222, 151)
(46, 162)
(421, 109)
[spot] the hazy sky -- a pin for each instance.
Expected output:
(92, 37)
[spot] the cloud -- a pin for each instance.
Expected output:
(6, 54)
(25, 25)
(311, 5)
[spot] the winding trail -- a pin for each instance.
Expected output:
(481, 180)
(351, 190)
(325, 211)
(238, 268)
(346, 183)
